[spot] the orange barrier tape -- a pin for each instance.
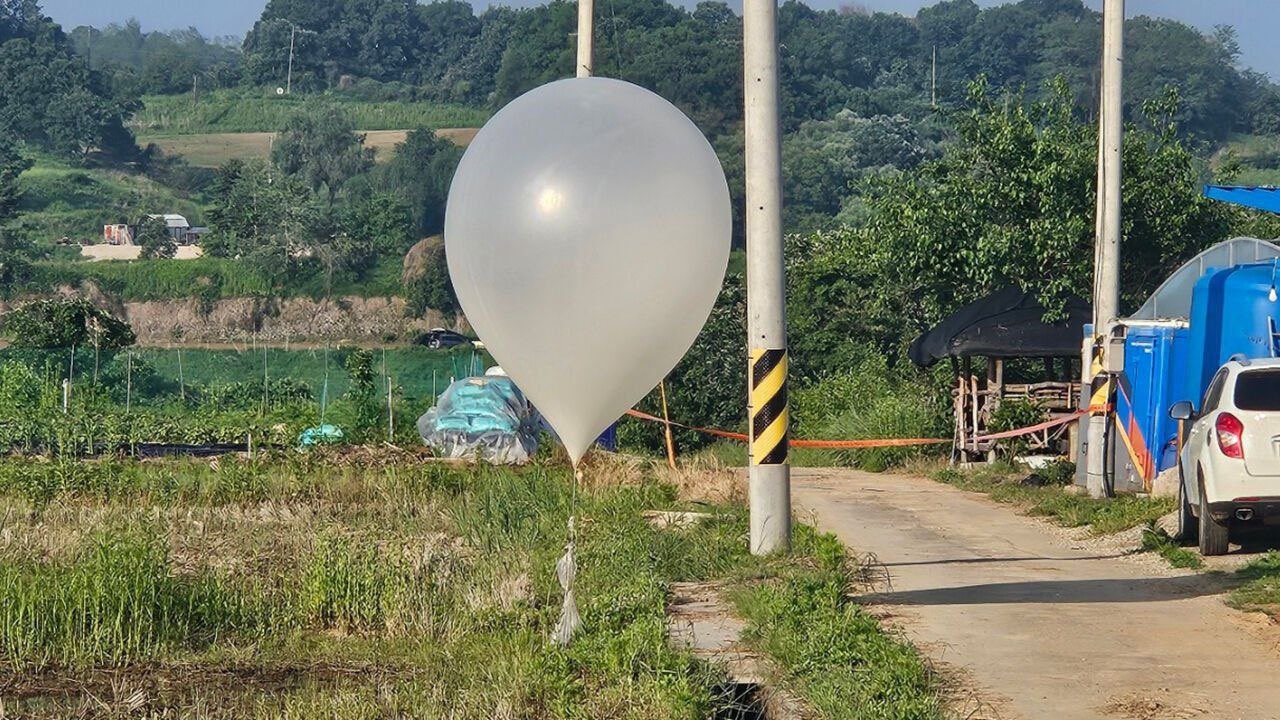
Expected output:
(886, 442)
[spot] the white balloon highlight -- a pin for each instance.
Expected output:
(587, 234)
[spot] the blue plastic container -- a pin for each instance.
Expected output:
(1231, 314)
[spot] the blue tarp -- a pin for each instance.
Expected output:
(486, 417)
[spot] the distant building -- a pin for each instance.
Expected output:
(179, 229)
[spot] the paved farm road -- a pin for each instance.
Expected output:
(1036, 626)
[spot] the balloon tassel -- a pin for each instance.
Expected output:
(566, 570)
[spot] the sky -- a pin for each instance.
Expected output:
(1256, 21)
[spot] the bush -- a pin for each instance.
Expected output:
(1012, 414)
(64, 324)
(1058, 472)
(869, 402)
(155, 240)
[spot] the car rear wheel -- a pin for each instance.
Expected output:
(1188, 527)
(1214, 537)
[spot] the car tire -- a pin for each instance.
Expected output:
(1214, 536)
(1188, 531)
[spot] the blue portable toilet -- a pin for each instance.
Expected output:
(1232, 313)
(1154, 364)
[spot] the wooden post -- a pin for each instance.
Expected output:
(666, 422)
(957, 404)
(995, 393)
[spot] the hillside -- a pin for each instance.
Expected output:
(255, 111)
(212, 150)
(61, 200)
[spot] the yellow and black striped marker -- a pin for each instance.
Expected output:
(1100, 382)
(768, 406)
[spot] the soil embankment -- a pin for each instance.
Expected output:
(274, 321)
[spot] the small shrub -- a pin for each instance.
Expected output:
(1013, 414)
(1056, 472)
(1156, 540)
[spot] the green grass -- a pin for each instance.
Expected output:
(60, 200)
(389, 587)
(1104, 516)
(734, 454)
(833, 653)
(117, 600)
(211, 278)
(1259, 156)
(1259, 588)
(249, 111)
(1156, 540)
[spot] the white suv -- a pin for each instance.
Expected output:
(1230, 459)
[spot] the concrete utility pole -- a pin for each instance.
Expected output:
(1106, 284)
(933, 80)
(770, 476)
(288, 81)
(586, 37)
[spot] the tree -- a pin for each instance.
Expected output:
(1012, 202)
(426, 281)
(363, 390)
(154, 238)
(320, 146)
(260, 213)
(826, 161)
(65, 323)
(420, 173)
(12, 164)
(49, 97)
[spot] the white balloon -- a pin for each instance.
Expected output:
(587, 234)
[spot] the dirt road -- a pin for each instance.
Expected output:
(1033, 625)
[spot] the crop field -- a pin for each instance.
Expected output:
(419, 373)
(215, 149)
(248, 112)
(362, 583)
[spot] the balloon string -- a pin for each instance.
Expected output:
(566, 570)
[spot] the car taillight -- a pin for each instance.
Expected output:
(1230, 430)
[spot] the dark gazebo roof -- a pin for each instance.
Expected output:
(1009, 323)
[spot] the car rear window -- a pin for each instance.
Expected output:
(1258, 390)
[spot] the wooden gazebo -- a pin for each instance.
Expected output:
(1007, 332)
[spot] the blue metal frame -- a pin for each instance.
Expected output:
(1258, 198)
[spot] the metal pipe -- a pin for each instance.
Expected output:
(769, 475)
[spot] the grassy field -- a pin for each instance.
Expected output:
(215, 149)
(235, 111)
(59, 200)
(368, 585)
(1259, 156)
(210, 278)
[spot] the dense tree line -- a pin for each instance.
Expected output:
(322, 204)
(868, 63)
(49, 97)
(858, 88)
(159, 62)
